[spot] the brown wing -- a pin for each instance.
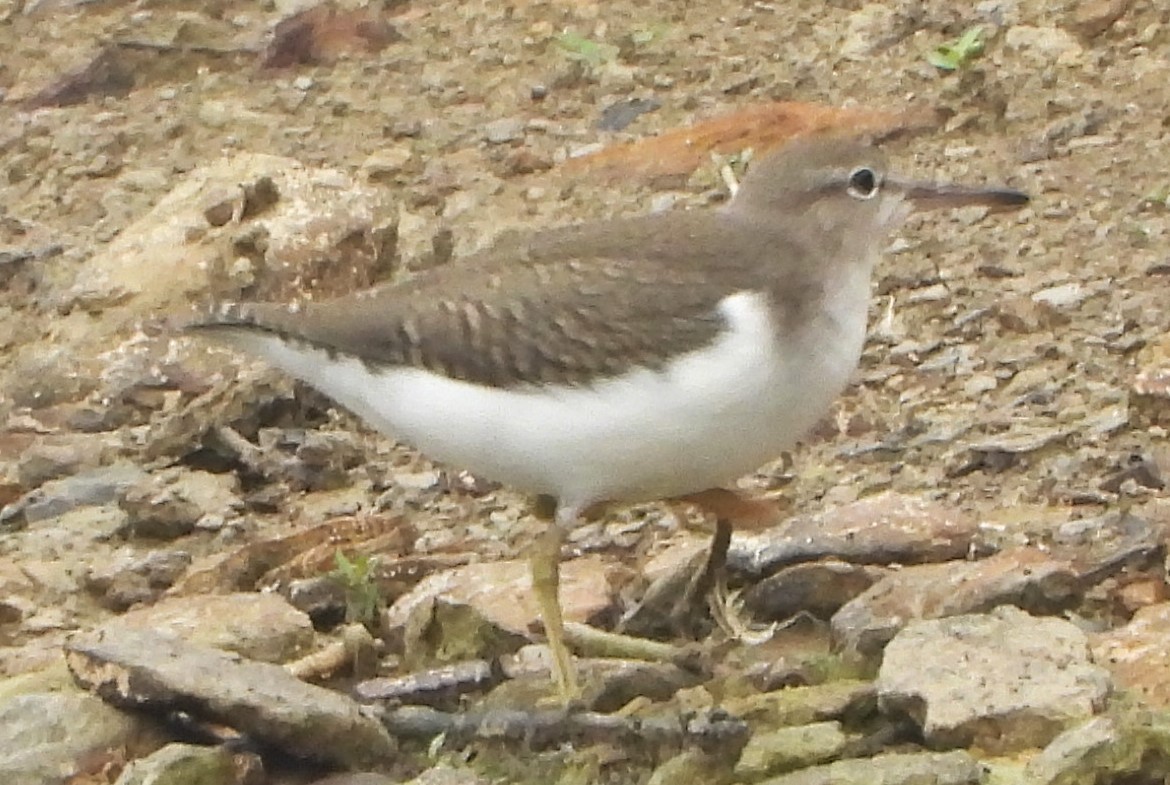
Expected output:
(567, 306)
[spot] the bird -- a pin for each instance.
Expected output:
(623, 360)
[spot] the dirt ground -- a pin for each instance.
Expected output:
(1014, 362)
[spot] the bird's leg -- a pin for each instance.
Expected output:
(709, 586)
(545, 561)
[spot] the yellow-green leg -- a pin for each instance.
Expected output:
(545, 562)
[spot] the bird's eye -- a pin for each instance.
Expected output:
(863, 183)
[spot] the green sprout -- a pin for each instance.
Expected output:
(731, 168)
(590, 53)
(1158, 197)
(362, 596)
(953, 55)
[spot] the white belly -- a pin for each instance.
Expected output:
(706, 419)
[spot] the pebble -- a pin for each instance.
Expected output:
(504, 130)
(1003, 681)
(142, 667)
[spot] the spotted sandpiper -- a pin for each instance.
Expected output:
(625, 360)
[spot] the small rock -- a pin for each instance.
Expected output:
(504, 130)
(220, 206)
(372, 778)
(51, 736)
(258, 626)
(387, 164)
(1063, 296)
(777, 751)
(1138, 654)
(869, 29)
(176, 764)
(819, 588)
(322, 598)
(844, 699)
(43, 461)
(131, 579)
(158, 513)
(1003, 681)
(618, 116)
(1091, 18)
(442, 774)
(146, 671)
(490, 605)
(1095, 751)
(883, 529)
(910, 768)
(58, 497)
(526, 161)
(1026, 577)
(1044, 43)
(170, 504)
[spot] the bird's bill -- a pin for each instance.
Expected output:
(939, 196)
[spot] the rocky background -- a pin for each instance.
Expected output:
(208, 573)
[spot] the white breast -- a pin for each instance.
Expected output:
(706, 419)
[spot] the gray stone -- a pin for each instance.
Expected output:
(819, 588)
(1004, 681)
(915, 768)
(181, 764)
(778, 751)
(44, 460)
(129, 579)
(57, 497)
(144, 670)
(259, 626)
(1028, 577)
(504, 130)
(156, 511)
(804, 705)
(1138, 654)
(1086, 753)
(884, 529)
(45, 737)
(487, 609)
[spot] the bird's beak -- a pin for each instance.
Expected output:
(938, 196)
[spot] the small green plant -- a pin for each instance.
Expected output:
(1158, 197)
(732, 167)
(362, 597)
(591, 53)
(953, 55)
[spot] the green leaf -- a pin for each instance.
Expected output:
(953, 55)
(578, 47)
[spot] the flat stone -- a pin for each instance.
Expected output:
(804, 705)
(1043, 43)
(169, 506)
(1091, 752)
(1138, 654)
(1026, 577)
(778, 751)
(498, 594)
(144, 670)
(181, 764)
(819, 588)
(888, 528)
(360, 778)
(47, 459)
(913, 768)
(58, 497)
(47, 737)
(1003, 681)
(257, 625)
(504, 130)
